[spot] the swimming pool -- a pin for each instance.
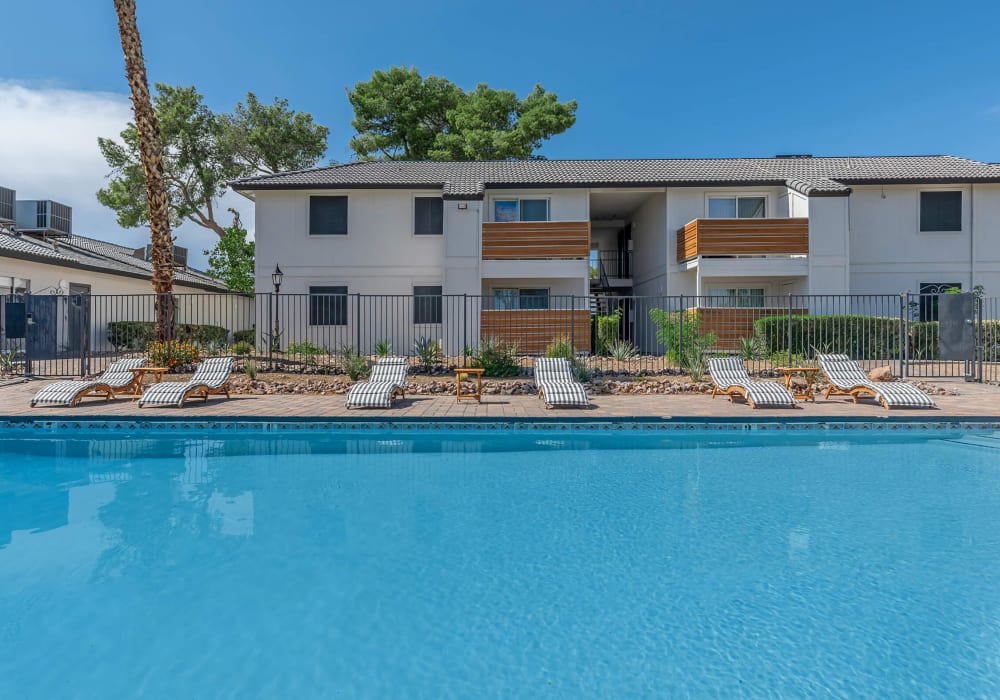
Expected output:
(359, 563)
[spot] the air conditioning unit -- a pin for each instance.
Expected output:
(43, 217)
(7, 199)
(180, 254)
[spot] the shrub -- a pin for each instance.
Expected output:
(214, 336)
(429, 351)
(685, 345)
(606, 331)
(783, 359)
(250, 368)
(246, 336)
(172, 353)
(496, 358)
(130, 335)
(622, 350)
(383, 348)
(355, 365)
(560, 347)
(749, 349)
(241, 348)
(861, 337)
(305, 349)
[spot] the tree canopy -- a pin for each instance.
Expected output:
(203, 150)
(400, 115)
(231, 260)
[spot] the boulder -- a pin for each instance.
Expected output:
(881, 374)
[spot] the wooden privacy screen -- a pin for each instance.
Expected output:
(532, 331)
(536, 240)
(743, 237)
(731, 324)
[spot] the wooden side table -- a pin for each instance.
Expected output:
(139, 374)
(810, 374)
(478, 393)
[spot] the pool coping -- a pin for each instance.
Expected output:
(553, 423)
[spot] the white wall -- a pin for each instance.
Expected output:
(556, 287)
(829, 245)
(569, 204)
(650, 249)
(889, 253)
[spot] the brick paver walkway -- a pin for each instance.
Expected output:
(973, 400)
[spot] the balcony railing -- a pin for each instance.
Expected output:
(734, 237)
(615, 264)
(536, 240)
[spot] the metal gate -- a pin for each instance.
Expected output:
(943, 332)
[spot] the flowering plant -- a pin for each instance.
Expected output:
(171, 353)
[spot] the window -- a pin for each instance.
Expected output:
(940, 211)
(427, 304)
(428, 216)
(736, 297)
(929, 297)
(328, 216)
(327, 306)
(513, 299)
(505, 210)
(736, 207)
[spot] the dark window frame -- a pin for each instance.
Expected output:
(938, 221)
(428, 306)
(433, 224)
(328, 307)
(314, 201)
(929, 291)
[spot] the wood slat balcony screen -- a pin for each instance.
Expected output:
(536, 240)
(732, 323)
(533, 330)
(725, 237)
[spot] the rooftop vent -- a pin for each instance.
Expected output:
(789, 156)
(7, 198)
(180, 254)
(43, 217)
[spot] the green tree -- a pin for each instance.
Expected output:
(400, 115)
(202, 151)
(231, 260)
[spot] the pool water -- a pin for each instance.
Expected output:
(502, 564)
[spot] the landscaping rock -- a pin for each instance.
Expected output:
(881, 374)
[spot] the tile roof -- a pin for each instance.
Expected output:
(814, 176)
(90, 253)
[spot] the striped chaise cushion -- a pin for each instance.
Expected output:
(554, 379)
(846, 374)
(728, 372)
(212, 373)
(388, 377)
(117, 376)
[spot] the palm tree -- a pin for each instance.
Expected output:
(152, 165)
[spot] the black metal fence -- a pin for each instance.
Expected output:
(917, 335)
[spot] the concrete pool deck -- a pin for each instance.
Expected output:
(969, 400)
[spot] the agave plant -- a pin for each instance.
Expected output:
(428, 350)
(622, 350)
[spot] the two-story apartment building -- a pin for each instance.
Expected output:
(527, 235)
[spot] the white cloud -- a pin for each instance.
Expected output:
(48, 150)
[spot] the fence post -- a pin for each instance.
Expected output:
(271, 301)
(572, 324)
(680, 334)
(978, 342)
(904, 333)
(357, 323)
(790, 329)
(465, 326)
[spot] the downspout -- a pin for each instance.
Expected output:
(847, 249)
(972, 237)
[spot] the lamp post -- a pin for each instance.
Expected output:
(276, 278)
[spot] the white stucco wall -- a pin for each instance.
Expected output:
(565, 204)
(829, 245)
(889, 253)
(650, 249)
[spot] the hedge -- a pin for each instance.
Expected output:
(861, 337)
(247, 336)
(136, 335)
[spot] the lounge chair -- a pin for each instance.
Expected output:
(556, 384)
(116, 379)
(211, 376)
(730, 377)
(386, 382)
(847, 378)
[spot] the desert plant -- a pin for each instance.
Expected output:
(245, 336)
(749, 349)
(676, 331)
(560, 347)
(307, 350)
(250, 369)
(383, 348)
(241, 347)
(582, 372)
(356, 366)
(783, 359)
(496, 357)
(7, 363)
(606, 331)
(622, 350)
(428, 351)
(695, 357)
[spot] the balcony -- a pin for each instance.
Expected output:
(732, 238)
(613, 265)
(533, 330)
(536, 240)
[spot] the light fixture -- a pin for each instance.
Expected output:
(463, 205)
(276, 278)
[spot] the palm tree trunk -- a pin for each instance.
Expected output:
(150, 152)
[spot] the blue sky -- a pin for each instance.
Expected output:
(651, 79)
